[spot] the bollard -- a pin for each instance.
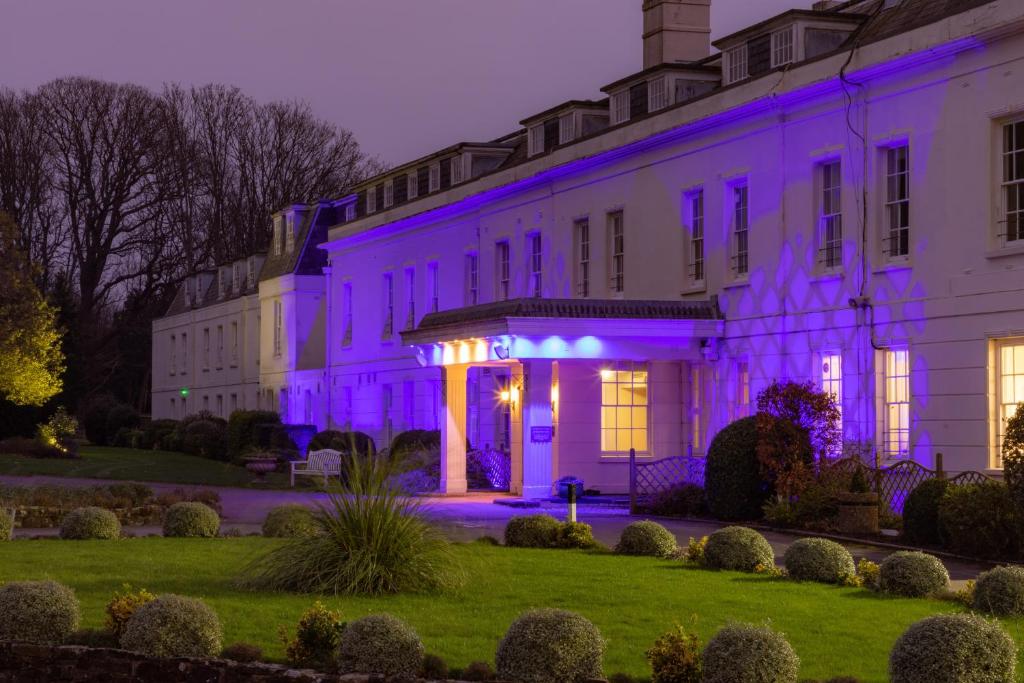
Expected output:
(572, 502)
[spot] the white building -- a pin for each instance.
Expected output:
(837, 195)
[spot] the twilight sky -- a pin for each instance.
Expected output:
(408, 77)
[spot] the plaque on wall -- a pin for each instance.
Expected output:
(541, 434)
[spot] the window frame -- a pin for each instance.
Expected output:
(1010, 187)
(410, 298)
(278, 327)
(999, 398)
(412, 186)
(471, 274)
(783, 52)
(736, 69)
(350, 212)
(616, 228)
(618, 105)
(388, 296)
(434, 177)
(456, 170)
(433, 287)
(615, 368)
(567, 128)
(891, 233)
(582, 255)
(658, 97)
(389, 193)
(696, 237)
(890, 399)
(502, 270)
(830, 379)
(371, 200)
(346, 314)
(535, 139)
(739, 231)
(829, 190)
(535, 263)
(173, 360)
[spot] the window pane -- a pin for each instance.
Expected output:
(622, 417)
(622, 440)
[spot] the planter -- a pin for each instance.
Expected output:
(858, 513)
(261, 467)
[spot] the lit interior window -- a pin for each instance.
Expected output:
(896, 436)
(1010, 388)
(624, 409)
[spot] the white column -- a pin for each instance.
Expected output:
(537, 426)
(453, 429)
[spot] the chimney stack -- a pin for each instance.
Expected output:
(676, 31)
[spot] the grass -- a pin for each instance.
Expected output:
(836, 631)
(131, 464)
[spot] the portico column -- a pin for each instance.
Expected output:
(537, 428)
(453, 429)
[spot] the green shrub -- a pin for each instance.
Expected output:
(550, 645)
(191, 520)
(93, 637)
(94, 418)
(290, 521)
(242, 432)
(647, 538)
(346, 442)
(90, 523)
(477, 671)
(953, 648)
(981, 520)
(6, 524)
(912, 574)
(120, 416)
(155, 434)
(380, 644)
(738, 548)
(675, 657)
(31, 448)
(752, 654)
(818, 559)
(123, 605)
(680, 500)
(205, 439)
(37, 611)
(1000, 591)
(173, 626)
(733, 485)
(242, 652)
(434, 668)
(532, 531)
(1013, 455)
(315, 644)
(575, 535)
(921, 512)
(414, 440)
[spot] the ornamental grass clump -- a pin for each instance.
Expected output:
(37, 611)
(290, 521)
(647, 538)
(90, 524)
(191, 520)
(532, 531)
(912, 574)
(953, 648)
(751, 654)
(380, 644)
(173, 626)
(372, 539)
(738, 548)
(1000, 591)
(818, 559)
(550, 645)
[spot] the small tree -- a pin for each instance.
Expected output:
(797, 427)
(1013, 455)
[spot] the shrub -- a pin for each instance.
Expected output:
(191, 520)
(31, 448)
(6, 524)
(695, 548)
(681, 500)
(156, 433)
(868, 574)
(647, 538)
(1000, 591)
(374, 540)
(120, 416)
(123, 605)
(675, 657)
(315, 644)
(550, 645)
(93, 637)
(346, 442)
(981, 520)
(921, 512)
(1013, 455)
(953, 648)
(738, 548)
(94, 418)
(90, 523)
(912, 574)
(478, 671)
(242, 433)
(173, 626)
(733, 485)
(380, 644)
(37, 611)
(752, 654)
(532, 531)
(290, 521)
(206, 439)
(818, 559)
(575, 535)
(434, 668)
(242, 652)
(414, 440)
(58, 431)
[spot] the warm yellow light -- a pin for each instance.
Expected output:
(607, 374)
(554, 393)
(514, 395)
(505, 396)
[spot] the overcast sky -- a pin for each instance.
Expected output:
(408, 77)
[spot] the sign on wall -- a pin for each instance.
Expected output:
(541, 434)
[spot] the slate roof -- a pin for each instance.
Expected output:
(305, 258)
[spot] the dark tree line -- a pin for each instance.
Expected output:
(119, 192)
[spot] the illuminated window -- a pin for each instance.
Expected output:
(1009, 387)
(696, 410)
(617, 252)
(736, 59)
(782, 47)
(620, 107)
(832, 378)
(536, 139)
(412, 185)
(433, 287)
(657, 94)
(696, 256)
(388, 292)
(472, 274)
(501, 271)
(1013, 182)
(582, 230)
(830, 214)
(278, 324)
(536, 264)
(897, 200)
(346, 313)
(624, 408)
(740, 231)
(896, 403)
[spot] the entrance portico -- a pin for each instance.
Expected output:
(537, 340)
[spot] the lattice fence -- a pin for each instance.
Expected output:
(649, 478)
(496, 466)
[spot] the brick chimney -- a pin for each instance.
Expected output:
(676, 31)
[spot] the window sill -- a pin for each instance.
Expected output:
(620, 457)
(1008, 250)
(892, 267)
(695, 288)
(827, 276)
(739, 282)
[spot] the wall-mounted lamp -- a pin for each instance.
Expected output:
(501, 352)
(505, 396)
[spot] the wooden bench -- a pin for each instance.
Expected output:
(322, 463)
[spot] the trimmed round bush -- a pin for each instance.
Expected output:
(646, 538)
(921, 512)
(290, 521)
(953, 648)
(191, 520)
(90, 523)
(752, 654)
(550, 645)
(1000, 591)
(532, 531)
(738, 548)
(173, 626)
(733, 485)
(819, 559)
(380, 644)
(6, 524)
(37, 611)
(912, 574)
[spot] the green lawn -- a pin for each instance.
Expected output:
(631, 599)
(132, 464)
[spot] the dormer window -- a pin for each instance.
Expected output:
(350, 212)
(456, 166)
(371, 200)
(278, 237)
(536, 139)
(289, 233)
(413, 185)
(435, 177)
(567, 128)
(657, 94)
(389, 194)
(222, 283)
(620, 107)
(236, 277)
(783, 50)
(736, 64)
(251, 275)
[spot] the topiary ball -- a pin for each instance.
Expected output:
(90, 523)
(173, 626)
(912, 574)
(550, 645)
(1000, 591)
(738, 548)
(921, 512)
(575, 535)
(290, 521)
(751, 654)
(733, 485)
(6, 524)
(819, 559)
(953, 648)
(191, 520)
(647, 538)
(532, 531)
(37, 611)
(380, 644)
